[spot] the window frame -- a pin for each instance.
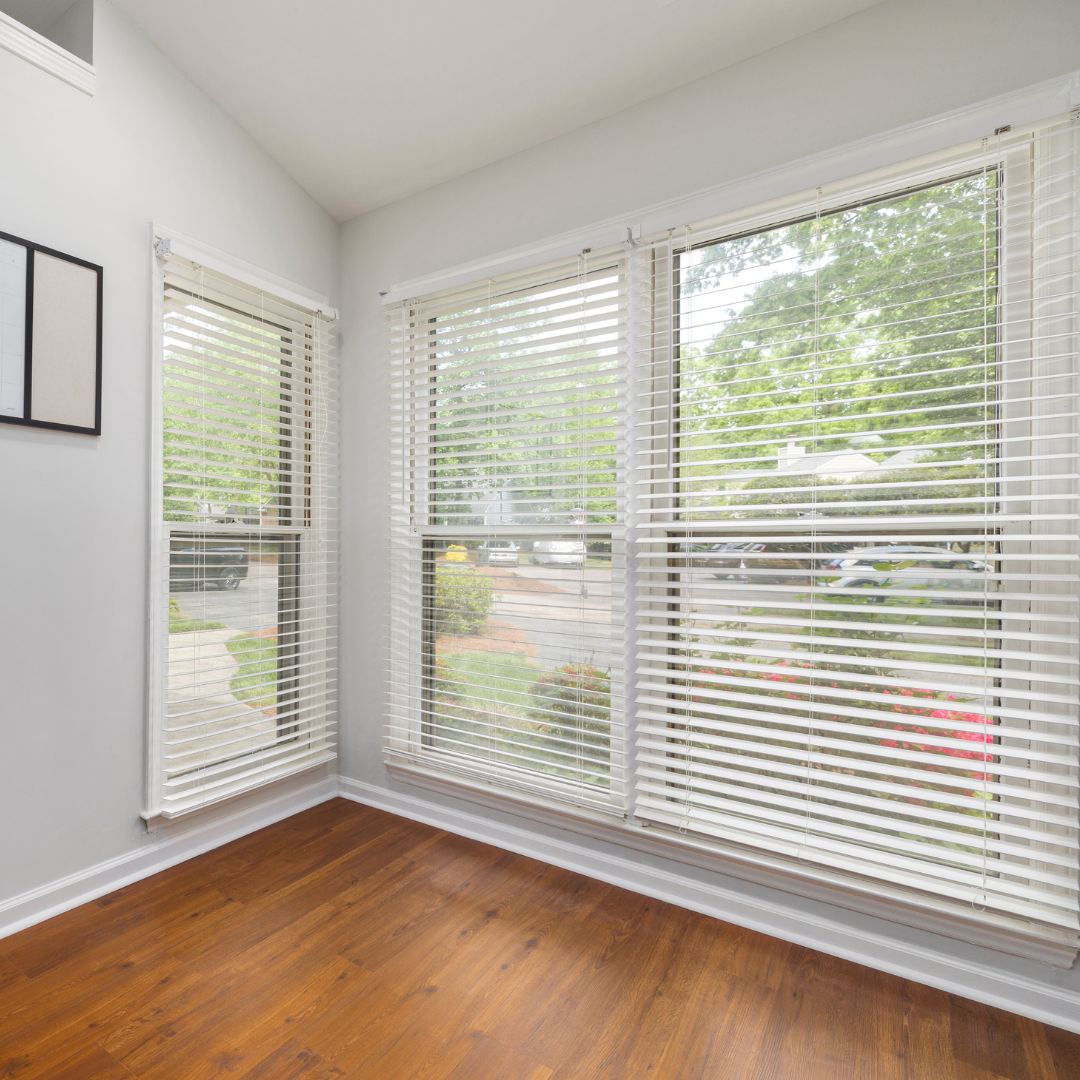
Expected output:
(309, 546)
(411, 547)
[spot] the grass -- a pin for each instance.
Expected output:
(257, 680)
(483, 695)
(505, 677)
(179, 625)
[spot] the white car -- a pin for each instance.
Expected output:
(498, 553)
(559, 553)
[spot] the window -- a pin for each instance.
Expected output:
(506, 523)
(246, 608)
(849, 555)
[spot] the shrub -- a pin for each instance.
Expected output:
(463, 599)
(803, 683)
(571, 692)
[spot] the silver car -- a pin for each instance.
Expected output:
(498, 553)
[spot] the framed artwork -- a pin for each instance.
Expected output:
(50, 338)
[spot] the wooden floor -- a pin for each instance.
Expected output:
(345, 942)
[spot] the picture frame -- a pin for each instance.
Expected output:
(50, 338)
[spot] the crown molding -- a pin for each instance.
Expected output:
(47, 55)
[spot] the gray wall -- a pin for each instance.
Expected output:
(87, 176)
(893, 64)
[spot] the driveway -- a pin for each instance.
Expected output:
(252, 607)
(563, 612)
(200, 702)
(200, 668)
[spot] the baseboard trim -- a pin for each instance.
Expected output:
(43, 903)
(1050, 1005)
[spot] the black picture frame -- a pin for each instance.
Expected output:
(28, 354)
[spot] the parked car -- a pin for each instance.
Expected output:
(498, 553)
(559, 553)
(726, 557)
(910, 568)
(780, 562)
(199, 564)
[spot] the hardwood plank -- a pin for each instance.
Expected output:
(489, 1059)
(926, 1046)
(833, 1020)
(291, 1061)
(12, 980)
(345, 942)
(1065, 1052)
(751, 956)
(88, 1063)
(212, 1040)
(73, 1022)
(999, 1042)
(127, 932)
(963, 1071)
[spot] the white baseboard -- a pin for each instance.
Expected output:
(43, 903)
(1049, 1004)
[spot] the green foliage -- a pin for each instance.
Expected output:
(499, 706)
(464, 597)
(256, 682)
(531, 416)
(578, 693)
(221, 447)
(178, 624)
(958, 488)
(877, 321)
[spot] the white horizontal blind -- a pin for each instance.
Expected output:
(248, 520)
(857, 586)
(506, 659)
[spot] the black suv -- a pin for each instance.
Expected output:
(224, 565)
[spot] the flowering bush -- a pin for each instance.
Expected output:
(802, 680)
(571, 692)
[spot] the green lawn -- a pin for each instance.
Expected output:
(488, 700)
(257, 680)
(179, 625)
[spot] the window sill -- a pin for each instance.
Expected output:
(156, 819)
(47, 55)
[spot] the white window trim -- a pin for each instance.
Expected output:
(163, 242)
(47, 55)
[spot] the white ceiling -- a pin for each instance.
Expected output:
(367, 101)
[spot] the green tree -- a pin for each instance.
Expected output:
(877, 324)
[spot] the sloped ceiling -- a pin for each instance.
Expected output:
(367, 101)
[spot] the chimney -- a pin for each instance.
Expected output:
(787, 455)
